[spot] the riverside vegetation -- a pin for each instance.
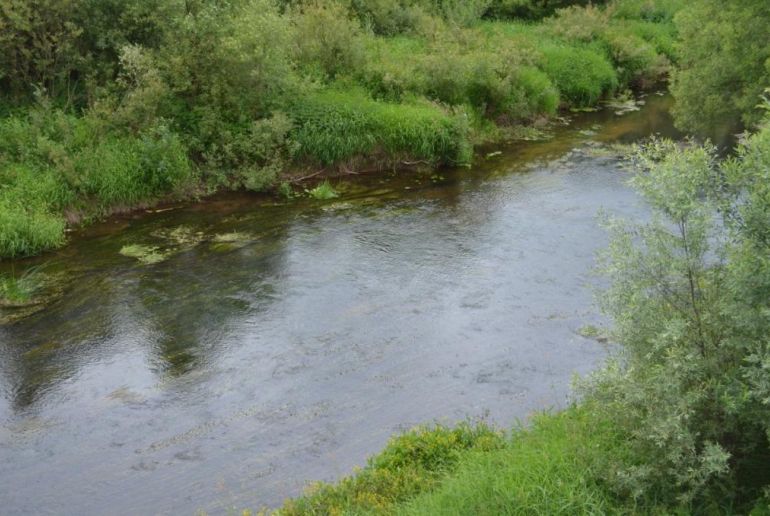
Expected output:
(111, 105)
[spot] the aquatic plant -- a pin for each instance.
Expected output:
(21, 290)
(146, 254)
(323, 192)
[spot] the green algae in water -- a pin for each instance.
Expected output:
(181, 236)
(146, 254)
(230, 241)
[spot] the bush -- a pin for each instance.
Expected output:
(724, 63)
(689, 298)
(327, 39)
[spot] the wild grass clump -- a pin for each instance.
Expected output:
(323, 192)
(411, 463)
(52, 162)
(28, 230)
(582, 75)
(334, 126)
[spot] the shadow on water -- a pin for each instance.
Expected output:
(272, 343)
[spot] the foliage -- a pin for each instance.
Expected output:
(409, 464)
(51, 162)
(724, 63)
(689, 298)
(111, 104)
(331, 40)
(582, 75)
(550, 468)
(531, 9)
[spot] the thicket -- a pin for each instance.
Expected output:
(724, 63)
(109, 104)
(678, 422)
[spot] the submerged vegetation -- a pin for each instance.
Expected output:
(111, 105)
(18, 291)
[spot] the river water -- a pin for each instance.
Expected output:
(284, 342)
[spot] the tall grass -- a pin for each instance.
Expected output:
(334, 126)
(582, 75)
(52, 162)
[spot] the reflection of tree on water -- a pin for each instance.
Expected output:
(188, 302)
(179, 310)
(39, 352)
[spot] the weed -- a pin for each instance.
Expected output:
(323, 192)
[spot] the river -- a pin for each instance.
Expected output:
(282, 342)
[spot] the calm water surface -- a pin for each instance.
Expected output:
(282, 343)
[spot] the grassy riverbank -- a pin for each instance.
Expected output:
(141, 103)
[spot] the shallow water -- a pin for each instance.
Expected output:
(283, 342)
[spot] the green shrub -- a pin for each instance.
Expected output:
(689, 296)
(390, 17)
(723, 63)
(328, 39)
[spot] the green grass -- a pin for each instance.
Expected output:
(335, 126)
(551, 468)
(52, 163)
(410, 464)
(554, 466)
(582, 75)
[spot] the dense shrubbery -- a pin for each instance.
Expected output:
(690, 304)
(724, 63)
(141, 100)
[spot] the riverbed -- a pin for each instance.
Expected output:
(277, 342)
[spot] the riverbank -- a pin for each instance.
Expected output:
(333, 91)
